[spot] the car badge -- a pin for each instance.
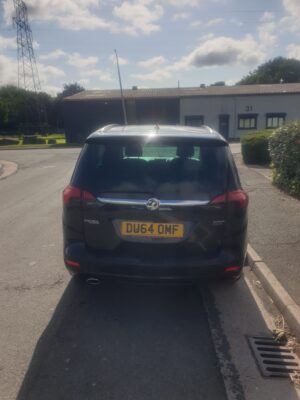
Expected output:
(152, 204)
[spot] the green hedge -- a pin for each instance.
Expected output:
(255, 147)
(33, 139)
(51, 141)
(285, 155)
(8, 141)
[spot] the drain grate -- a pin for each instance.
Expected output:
(273, 358)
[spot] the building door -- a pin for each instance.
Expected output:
(224, 125)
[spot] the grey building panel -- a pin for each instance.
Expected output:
(233, 106)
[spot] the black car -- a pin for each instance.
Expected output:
(155, 202)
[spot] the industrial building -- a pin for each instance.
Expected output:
(232, 110)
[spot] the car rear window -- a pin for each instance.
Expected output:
(168, 169)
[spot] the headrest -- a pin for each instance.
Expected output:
(134, 150)
(112, 154)
(185, 151)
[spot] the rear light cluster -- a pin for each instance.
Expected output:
(236, 196)
(73, 193)
(73, 264)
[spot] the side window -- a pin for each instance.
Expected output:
(247, 121)
(275, 120)
(194, 120)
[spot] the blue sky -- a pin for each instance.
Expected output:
(160, 42)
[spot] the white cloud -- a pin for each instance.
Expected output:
(101, 75)
(140, 15)
(8, 71)
(267, 34)
(267, 31)
(206, 37)
(214, 52)
(7, 43)
(236, 22)
(293, 51)
(83, 81)
(122, 61)
(53, 55)
(180, 16)
(292, 20)
(267, 16)
(9, 67)
(221, 51)
(202, 24)
(213, 22)
(153, 62)
(47, 72)
(184, 3)
(51, 89)
(195, 24)
(157, 75)
(76, 60)
(69, 14)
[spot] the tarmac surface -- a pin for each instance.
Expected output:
(62, 339)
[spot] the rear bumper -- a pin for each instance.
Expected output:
(97, 264)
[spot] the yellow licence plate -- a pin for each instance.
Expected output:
(152, 229)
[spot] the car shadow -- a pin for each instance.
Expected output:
(125, 341)
(145, 341)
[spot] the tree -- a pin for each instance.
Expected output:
(278, 70)
(70, 89)
(23, 111)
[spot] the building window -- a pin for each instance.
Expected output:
(194, 120)
(275, 120)
(247, 121)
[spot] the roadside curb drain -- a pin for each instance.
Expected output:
(283, 301)
(273, 359)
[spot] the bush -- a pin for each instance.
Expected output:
(255, 147)
(40, 141)
(29, 139)
(51, 141)
(285, 155)
(8, 141)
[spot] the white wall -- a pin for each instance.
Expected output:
(212, 107)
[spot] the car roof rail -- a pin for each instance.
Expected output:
(108, 127)
(208, 128)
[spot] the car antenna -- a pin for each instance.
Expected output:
(121, 89)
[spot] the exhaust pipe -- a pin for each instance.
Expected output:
(93, 281)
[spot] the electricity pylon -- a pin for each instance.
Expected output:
(28, 76)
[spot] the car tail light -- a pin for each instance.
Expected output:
(71, 193)
(88, 196)
(73, 264)
(232, 269)
(236, 196)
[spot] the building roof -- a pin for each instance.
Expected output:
(203, 132)
(135, 93)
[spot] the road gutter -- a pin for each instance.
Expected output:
(283, 301)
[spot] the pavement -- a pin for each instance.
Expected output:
(63, 339)
(274, 226)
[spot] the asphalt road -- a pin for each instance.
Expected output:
(62, 339)
(120, 342)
